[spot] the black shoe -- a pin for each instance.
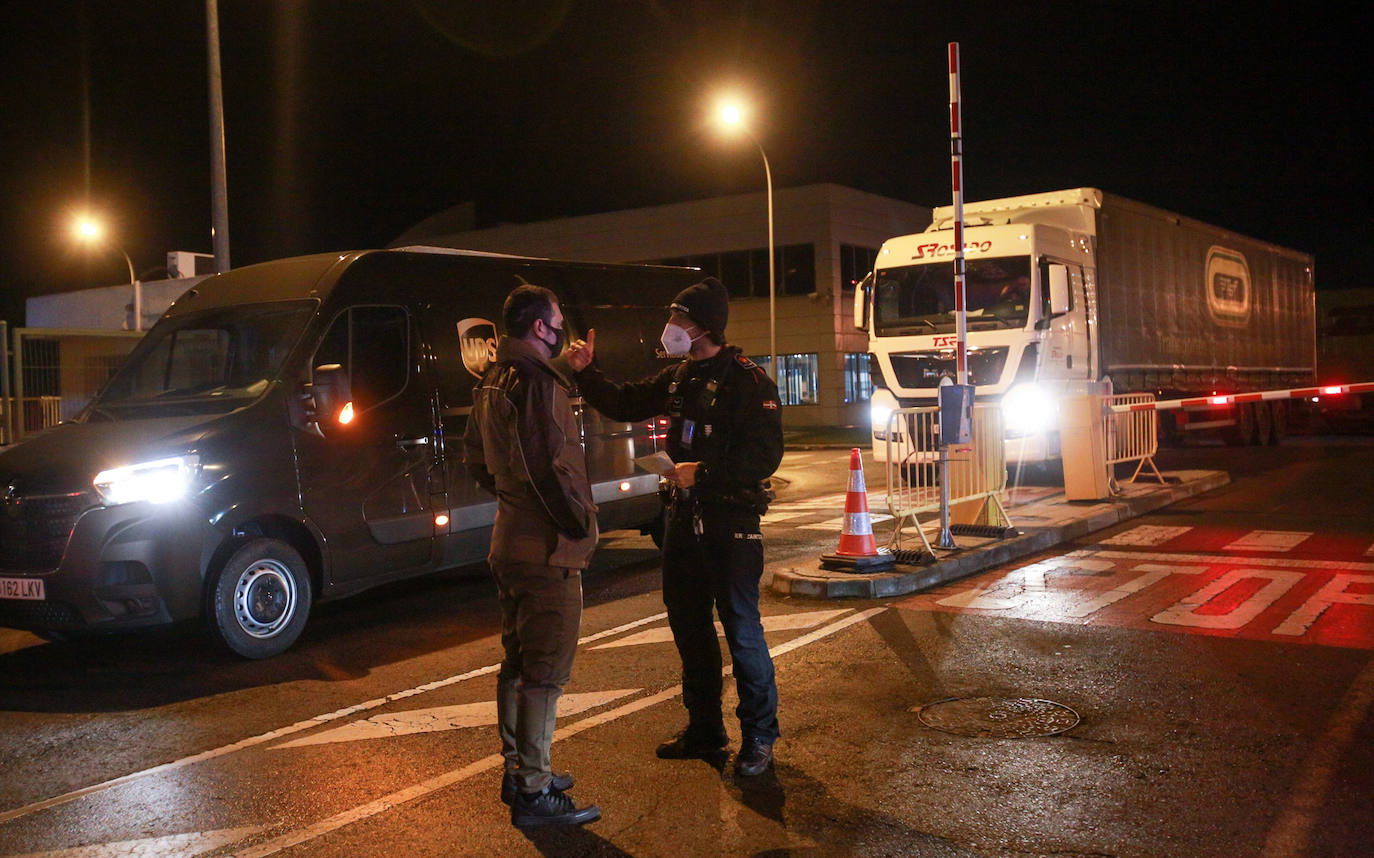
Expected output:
(755, 757)
(550, 807)
(561, 782)
(694, 742)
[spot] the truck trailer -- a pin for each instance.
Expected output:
(1080, 291)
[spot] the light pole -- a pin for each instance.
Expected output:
(732, 118)
(90, 232)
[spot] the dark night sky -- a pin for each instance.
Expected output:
(350, 120)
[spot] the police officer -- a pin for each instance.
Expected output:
(725, 438)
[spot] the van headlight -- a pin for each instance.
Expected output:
(1027, 410)
(159, 481)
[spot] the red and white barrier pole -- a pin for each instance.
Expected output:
(1254, 396)
(956, 162)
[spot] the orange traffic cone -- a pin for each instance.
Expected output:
(858, 551)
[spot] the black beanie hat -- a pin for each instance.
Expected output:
(706, 303)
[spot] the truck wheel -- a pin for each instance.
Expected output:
(260, 599)
(1264, 424)
(1279, 414)
(1243, 432)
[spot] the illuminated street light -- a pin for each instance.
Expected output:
(732, 115)
(90, 232)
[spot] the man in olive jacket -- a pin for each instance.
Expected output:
(523, 445)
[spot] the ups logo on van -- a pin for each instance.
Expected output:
(477, 340)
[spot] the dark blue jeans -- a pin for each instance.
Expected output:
(720, 570)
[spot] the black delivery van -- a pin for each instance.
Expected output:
(291, 432)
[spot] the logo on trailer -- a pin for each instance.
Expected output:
(477, 341)
(1228, 287)
(934, 249)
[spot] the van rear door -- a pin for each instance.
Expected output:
(369, 483)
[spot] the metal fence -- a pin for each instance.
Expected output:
(977, 471)
(1131, 436)
(54, 373)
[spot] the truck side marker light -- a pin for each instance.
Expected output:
(441, 520)
(625, 487)
(346, 414)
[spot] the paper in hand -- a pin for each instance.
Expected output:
(658, 463)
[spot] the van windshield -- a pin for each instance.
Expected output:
(919, 299)
(204, 363)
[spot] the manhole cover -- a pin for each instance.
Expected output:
(999, 717)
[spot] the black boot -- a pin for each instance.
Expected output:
(694, 742)
(755, 757)
(549, 807)
(561, 782)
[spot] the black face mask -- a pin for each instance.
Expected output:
(557, 345)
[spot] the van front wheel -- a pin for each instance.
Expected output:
(260, 599)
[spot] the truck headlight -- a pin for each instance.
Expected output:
(880, 409)
(159, 481)
(1027, 410)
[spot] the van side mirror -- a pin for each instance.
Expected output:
(332, 396)
(1059, 289)
(861, 304)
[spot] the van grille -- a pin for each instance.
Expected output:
(34, 530)
(925, 369)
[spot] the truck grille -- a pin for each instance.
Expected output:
(34, 530)
(925, 369)
(15, 614)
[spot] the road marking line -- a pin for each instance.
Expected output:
(776, 622)
(1184, 611)
(1147, 535)
(1332, 591)
(440, 718)
(297, 727)
(1290, 835)
(1268, 540)
(1216, 559)
(434, 784)
(172, 846)
(1154, 573)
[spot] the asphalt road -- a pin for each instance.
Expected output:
(1217, 716)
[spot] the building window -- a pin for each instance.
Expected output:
(858, 384)
(745, 272)
(798, 377)
(855, 263)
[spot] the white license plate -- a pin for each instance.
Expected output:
(22, 588)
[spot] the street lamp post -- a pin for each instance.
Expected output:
(90, 232)
(732, 116)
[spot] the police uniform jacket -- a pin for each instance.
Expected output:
(735, 432)
(523, 444)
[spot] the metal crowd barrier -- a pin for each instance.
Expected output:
(977, 471)
(1131, 436)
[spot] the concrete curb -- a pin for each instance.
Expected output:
(1076, 521)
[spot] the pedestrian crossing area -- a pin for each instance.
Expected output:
(1184, 538)
(1286, 586)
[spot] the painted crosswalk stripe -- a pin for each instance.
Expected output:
(440, 718)
(774, 623)
(172, 846)
(1269, 540)
(1148, 535)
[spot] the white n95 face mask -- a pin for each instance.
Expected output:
(676, 342)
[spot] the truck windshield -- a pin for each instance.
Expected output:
(917, 299)
(204, 363)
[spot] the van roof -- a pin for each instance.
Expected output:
(305, 277)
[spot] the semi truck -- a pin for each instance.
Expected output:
(1080, 291)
